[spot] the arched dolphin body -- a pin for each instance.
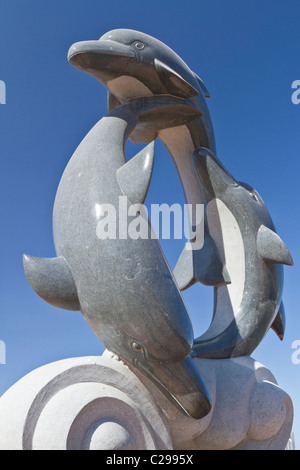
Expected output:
(244, 233)
(123, 287)
(132, 64)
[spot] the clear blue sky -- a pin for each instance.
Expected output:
(246, 52)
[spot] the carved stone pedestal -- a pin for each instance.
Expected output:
(99, 403)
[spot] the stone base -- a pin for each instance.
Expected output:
(99, 403)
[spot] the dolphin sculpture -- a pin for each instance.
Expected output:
(134, 65)
(131, 65)
(123, 287)
(244, 233)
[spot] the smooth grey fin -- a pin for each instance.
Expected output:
(52, 280)
(279, 323)
(202, 86)
(134, 176)
(271, 248)
(184, 270)
(201, 265)
(112, 101)
(174, 83)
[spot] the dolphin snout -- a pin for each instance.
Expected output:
(91, 49)
(213, 176)
(182, 384)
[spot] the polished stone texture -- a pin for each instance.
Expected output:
(101, 404)
(123, 286)
(175, 391)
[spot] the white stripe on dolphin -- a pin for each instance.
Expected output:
(124, 288)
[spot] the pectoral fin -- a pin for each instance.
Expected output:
(203, 265)
(279, 323)
(174, 83)
(52, 280)
(271, 248)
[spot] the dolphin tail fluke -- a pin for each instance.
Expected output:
(134, 177)
(278, 324)
(202, 265)
(52, 280)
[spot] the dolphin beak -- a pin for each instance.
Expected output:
(93, 55)
(213, 176)
(182, 384)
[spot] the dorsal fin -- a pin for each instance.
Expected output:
(174, 83)
(134, 177)
(278, 324)
(271, 248)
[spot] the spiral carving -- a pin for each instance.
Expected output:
(93, 403)
(98, 403)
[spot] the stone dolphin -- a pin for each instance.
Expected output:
(241, 226)
(132, 64)
(123, 287)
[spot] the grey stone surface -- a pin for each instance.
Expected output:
(125, 288)
(134, 65)
(245, 236)
(99, 403)
(79, 404)
(249, 409)
(126, 291)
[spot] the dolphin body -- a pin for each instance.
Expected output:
(123, 287)
(242, 228)
(134, 65)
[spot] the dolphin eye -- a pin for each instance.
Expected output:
(138, 45)
(136, 346)
(251, 191)
(253, 195)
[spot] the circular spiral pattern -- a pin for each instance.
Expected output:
(87, 403)
(98, 403)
